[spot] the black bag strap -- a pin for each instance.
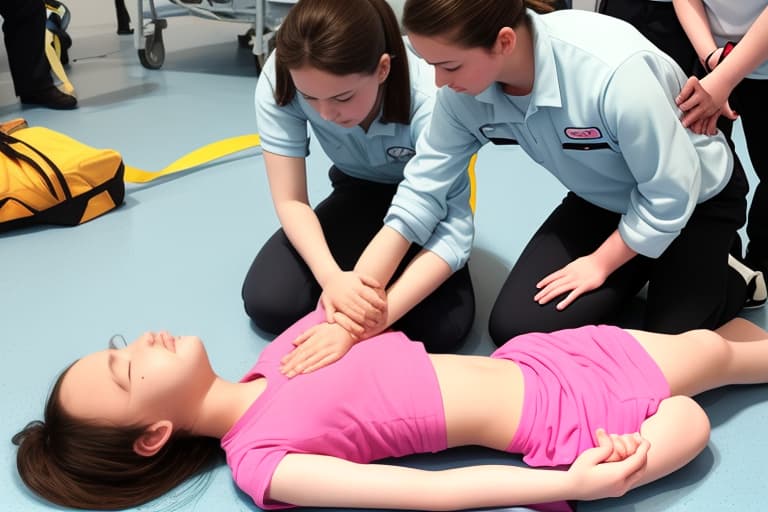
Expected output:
(5, 147)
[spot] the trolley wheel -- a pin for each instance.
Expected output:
(153, 54)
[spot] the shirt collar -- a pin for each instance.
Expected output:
(378, 128)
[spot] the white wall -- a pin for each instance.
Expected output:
(589, 5)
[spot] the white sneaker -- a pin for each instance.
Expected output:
(757, 293)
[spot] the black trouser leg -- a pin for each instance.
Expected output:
(691, 286)
(750, 100)
(123, 18)
(24, 32)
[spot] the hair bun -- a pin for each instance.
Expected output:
(33, 428)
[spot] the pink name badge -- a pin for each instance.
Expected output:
(583, 133)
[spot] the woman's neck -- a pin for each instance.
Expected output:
(224, 404)
(374, 111)
(517, 75)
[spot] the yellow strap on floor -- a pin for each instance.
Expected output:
(196, 158)
(232, 145)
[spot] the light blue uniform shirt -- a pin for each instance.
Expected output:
(378, 155)
(729, 20)
(601, 118)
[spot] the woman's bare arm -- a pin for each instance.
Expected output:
(318, 480)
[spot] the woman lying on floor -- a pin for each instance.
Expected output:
(123, 426)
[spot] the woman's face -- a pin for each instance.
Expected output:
(465, 70)
(157, 377)
(347, 100)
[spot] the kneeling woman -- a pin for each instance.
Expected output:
(123, 426)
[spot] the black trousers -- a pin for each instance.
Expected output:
(24, 32)
(658, 22)
(689, 286)
(750, 100)
(280, 288)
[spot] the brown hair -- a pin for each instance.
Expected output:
(75, 464)
(468, 24)
(343, 37)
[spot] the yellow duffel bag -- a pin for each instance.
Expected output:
(49, 178)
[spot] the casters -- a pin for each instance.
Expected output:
(152, 56)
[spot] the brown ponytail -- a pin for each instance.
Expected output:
(343, 37)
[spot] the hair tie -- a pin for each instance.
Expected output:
(706, 61)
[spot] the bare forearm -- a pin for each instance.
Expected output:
(480, 486)
(424, 274)
(751, 51)
(303, 229)
(288, 186)
(394, 487)
(382, 255)
(694, 20)
(613, 253)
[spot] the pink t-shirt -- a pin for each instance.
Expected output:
(351, 409)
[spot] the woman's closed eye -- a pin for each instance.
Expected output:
(343, 99)
(120, 370)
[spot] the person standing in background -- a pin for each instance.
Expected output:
(736, 86)
(24, 33)
(657, 21)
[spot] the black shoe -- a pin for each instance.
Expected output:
(755, 260)
(51, 97)
(757, 293)
(124, 31)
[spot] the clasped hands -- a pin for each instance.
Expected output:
(616, 465)
(355, 309)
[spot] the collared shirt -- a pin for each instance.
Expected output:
(378, 154)
(729, 21)
(601, 118)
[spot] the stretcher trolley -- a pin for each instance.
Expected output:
(264, 16)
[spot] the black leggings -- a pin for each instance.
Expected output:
(280, 288)
(689, 286)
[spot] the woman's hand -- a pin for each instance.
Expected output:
(578, 277)
(610, 469)
(318, 346)
(358, 297)
(703, 102)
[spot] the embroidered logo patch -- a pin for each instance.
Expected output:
(583, 133)
(400, 153)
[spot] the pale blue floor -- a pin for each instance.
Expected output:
(174, 256)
